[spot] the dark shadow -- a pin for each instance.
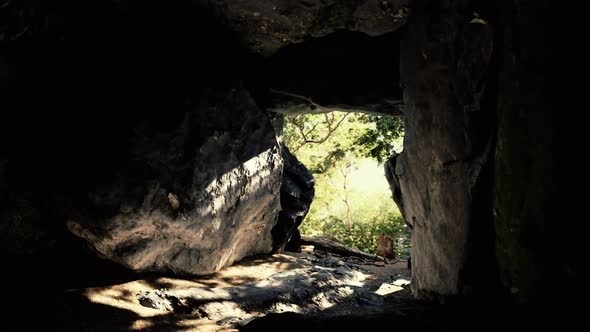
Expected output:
(342, 68)
(108, 98)
(412, 315)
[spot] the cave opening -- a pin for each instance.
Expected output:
(348, 155)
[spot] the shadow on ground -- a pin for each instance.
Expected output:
(47, 294)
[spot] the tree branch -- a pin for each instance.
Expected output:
(301, 130)
(331, 129)
(385, 108)
(307, 100)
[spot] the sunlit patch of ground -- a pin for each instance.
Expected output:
(396, 286)
(123, 296)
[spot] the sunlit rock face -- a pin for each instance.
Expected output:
(444, 170)
(191, 209)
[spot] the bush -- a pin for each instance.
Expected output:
(365, 235)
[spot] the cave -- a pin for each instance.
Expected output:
(141, 138)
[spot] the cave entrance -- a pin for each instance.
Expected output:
(341, 107)
(346, 152)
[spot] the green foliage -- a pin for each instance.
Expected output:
(342, 151)
(321, 141)
(377, 141)
(365, 235)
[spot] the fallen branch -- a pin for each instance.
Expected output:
(337, 248)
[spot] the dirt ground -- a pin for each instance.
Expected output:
(116, 307)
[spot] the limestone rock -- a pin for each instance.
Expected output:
(297, 192)
(315, 286)
(156, 300)
(205, 206)
(394, 185)
(443, 171)
(266, 26)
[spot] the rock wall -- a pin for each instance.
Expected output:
(297, 192)
(267, 26)
(394, 185)
(491, 158)
(538, 208)
(116, 136)
(110, 129)
(449, 131)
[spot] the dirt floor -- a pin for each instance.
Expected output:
(116, 307)
(303, 292)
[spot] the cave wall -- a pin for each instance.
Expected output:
(491, 158)
(127, 125)
(449, 131)
(140, 127)
(537, 203)
(524, 152)
(267, 26)
(111, 129)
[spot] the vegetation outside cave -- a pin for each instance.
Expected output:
(345, 152)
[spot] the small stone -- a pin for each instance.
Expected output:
(385, 289)
(173, 200)
(155, 300)
(401, 282)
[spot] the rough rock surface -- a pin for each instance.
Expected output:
(136, 156)
(99, 116)
(320, 281)
(394, 185)
(297, 192)
(266, 26)
(225, 197)
(323, 74)
(448, 143)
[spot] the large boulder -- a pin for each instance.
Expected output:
(191, 209)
